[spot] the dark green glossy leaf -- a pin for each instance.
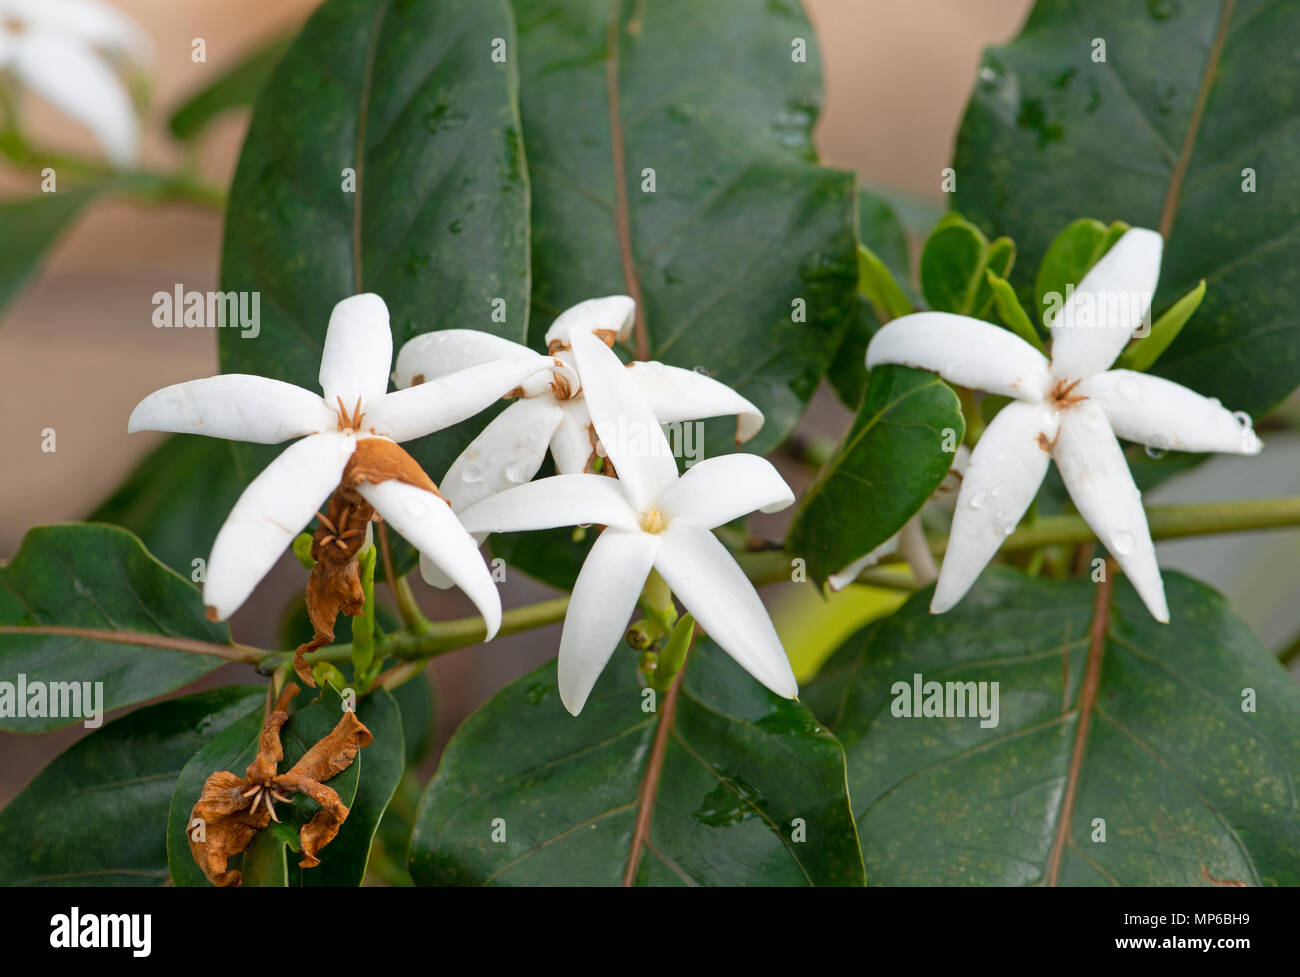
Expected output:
(177, 498)
(407, 95)
(32, 226)
(415, 700)
(881, 232)
(97, 815)
(344, 860)
(1051, 134)
(1184, 778)
(739, 766)
(885, 469)
(235, 88)
(233, 750)
(741, 224)
(89, 577)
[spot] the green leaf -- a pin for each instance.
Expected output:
(725, 781)
(437, 224)
(83, 603)
(884, 286)
(1189, 757)
(344, 860)
(952, 265)
(1142, 354)
(1011, 312)
(1069, 257)
(235, 88)
(998, 261)
(1197, 102)
(234, 749)
(177, 498)
(741, 224)
(415, 701)
(887, 466)
(32, 226)
(97, 815)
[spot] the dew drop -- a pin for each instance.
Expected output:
(1243, 418)
(977, 500)
(1124, 543)
(1155, 452)
(416, 508)
(518, 472)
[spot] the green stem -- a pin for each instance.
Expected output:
(363, 626)
(765, 567)
(1164, 521)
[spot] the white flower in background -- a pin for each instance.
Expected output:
(1070, 408)
(551, 411)
(654, 519)
(355, 407)
(63, 50)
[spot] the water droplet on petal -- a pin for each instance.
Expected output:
(1243, 418)
(416, 508)
(1154, 452)
(1130, 389)
(1124, 543)
(977, 500)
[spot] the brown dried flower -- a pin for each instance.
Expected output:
(233, 809)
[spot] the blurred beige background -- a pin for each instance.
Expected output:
(78, 351)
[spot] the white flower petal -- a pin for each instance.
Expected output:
(718, 490)
(1166, 415)
(358, 352)
(561, 500)
(1096, 323)
(604, 597)
(675, 394)
(1001, 480)
(507, 453)
(81, 84)
(435, 354)
(627, 429)
(964, 351)
(93, 22)
(1101, 486)
(439, 403)
(235, 406)
(613, 313)
(572, 447)
(272, 511)
(838, 581)
(427, 523)
(705, 578)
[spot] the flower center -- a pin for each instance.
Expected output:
(1063, 394)
(653, 522)
(349, 422)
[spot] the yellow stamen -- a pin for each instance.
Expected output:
(652, 522)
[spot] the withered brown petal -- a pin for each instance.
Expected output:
(377, 460)
(269, 751)
(334, 753)
(227, 826)
(324, 824)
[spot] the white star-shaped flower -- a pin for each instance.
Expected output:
(61, 50)
(1070, 408)
(356, 406)
(654, 519)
